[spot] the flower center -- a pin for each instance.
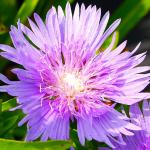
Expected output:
(72, 84)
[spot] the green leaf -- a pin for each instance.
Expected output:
(8, 11)
(75, 140)
(26, 10)
(0, 106)
(20, 145)
(9, 104)
(3, 29)
(131, 12)
(8, 123)
(1, 119)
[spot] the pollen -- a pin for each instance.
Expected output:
(72, 84)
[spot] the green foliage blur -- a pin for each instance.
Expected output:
(12, 136)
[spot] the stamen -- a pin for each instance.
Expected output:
(72, 84)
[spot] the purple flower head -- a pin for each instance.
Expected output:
(64, 80)
(141, 139)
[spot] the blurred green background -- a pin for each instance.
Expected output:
(131, 12)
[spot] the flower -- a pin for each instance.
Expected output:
(141, 139)
(63, 79)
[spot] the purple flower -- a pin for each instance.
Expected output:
(141, 139)
(63, 79)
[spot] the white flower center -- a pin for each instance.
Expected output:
(72, 84)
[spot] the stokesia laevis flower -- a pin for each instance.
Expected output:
(64, 80)
(141, 139)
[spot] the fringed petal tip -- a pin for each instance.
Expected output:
(108, 128)
(5, 79)
(16, 108)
